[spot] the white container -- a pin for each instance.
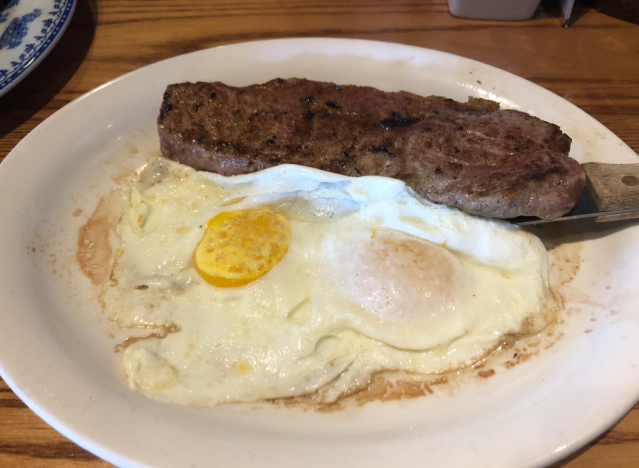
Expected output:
(501, 10)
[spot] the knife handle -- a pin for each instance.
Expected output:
(613, 187)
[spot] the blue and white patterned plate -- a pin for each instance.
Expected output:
(28, 31)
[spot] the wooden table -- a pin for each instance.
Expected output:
(594, 64)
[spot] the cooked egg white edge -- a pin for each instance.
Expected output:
(155, 206)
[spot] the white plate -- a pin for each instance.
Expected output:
(56, 354)
(29, 29)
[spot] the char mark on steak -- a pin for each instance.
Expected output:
(485, 161)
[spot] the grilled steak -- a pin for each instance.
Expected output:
(485, 161)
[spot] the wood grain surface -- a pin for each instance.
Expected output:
(593, 64)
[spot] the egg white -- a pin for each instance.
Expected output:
(375, 279)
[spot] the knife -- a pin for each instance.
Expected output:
(611, 194)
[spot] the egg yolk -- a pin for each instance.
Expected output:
(401, 278)
(240, 246)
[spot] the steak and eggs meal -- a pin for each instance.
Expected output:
(308, 239)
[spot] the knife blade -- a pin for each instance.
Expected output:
(611, 194)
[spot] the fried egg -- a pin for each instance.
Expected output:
(293, 281)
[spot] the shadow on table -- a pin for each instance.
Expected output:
(45, 81)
